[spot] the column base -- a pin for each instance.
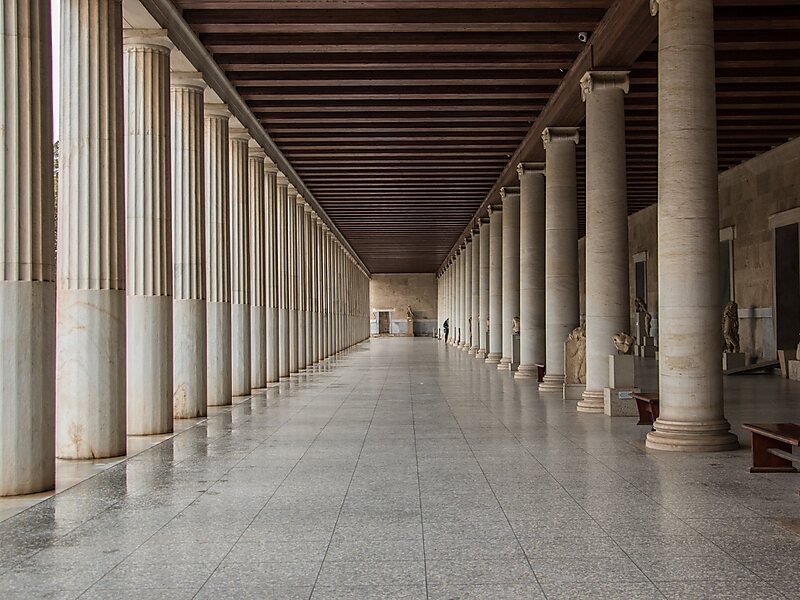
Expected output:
(219, 353)
(552, 383)
(592, 402)
(527, 372)
(481, 354)
(258, 347)
(676, 436)
(240, 350)
(493, 358)
(190, 388)
(473, 351)
(504, 364)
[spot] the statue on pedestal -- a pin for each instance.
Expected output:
(730, 327)
(515, 325)
(575, 356)
(640, 306)
(623, 342)
(409, 313)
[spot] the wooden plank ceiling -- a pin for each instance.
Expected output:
(404, 116)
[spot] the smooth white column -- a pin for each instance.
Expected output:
(27, 252)
(319, 234)
(189, 385)
(273, 289)
(483, 290)
(467, 295)
(457, 287)
(291, 272)
(561, 251)
(607, 304)
(510, 272)
(218, 267)
(308, 258)
(300, 244)
(258, 274)
(240, 263)
(90, 348)
(531, 270)
(148, 231)
(283, 274)
(692, 415)
(475, 281)
(495, 285)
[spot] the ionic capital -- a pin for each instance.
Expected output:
(530, 168)
(300, 200)
(493, 208)
(156, 40)
(505, 192)
(192, 80)
(604, 80)
(560, 134)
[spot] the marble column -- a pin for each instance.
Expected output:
(467, 295)
(495, 285)
(240, 262)
(561, 251)
(291, 275)
(531, 270)
(273, 290)
(218, 267)
(313, 338)
(148, 231)
(692, 415)
(510, 197)
(475, 281)
(483, 289)
(27, 253)
(320, 299)
(458, 273)
(300, 244)
(607, 304)
(90, 347)
(189, 333)
(283, 274)
(308, 258)
(258, 258)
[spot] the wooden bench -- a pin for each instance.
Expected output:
(539, 372)
(647, 405)
(772, 447)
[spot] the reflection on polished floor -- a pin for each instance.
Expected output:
(407, 469)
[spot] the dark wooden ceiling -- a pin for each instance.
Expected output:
(404, 116)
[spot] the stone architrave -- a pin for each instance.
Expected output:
(27, 253)
(90, 346)
(607, 304)
(148, 235)
(561, 250)
(495, 285)
(692, 416)
(510, 196)
(531, 270)
(189, 328)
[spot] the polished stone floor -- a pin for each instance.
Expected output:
(406, 469)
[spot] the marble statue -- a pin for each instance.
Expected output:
(515, 325)
(575, 355)
(640, 306)
(409, 313)
(730, 327)
(623, 342)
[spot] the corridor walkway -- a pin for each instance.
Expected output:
(411, 470)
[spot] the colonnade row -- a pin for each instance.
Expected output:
(521, 260)
(188, 269)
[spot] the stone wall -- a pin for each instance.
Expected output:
(396, 291)
(749, 194)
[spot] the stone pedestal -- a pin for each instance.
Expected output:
(619, 402)
(733, 360)
(620, 371)
(794, 370)
(784, 356)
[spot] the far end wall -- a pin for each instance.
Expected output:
(395, 292)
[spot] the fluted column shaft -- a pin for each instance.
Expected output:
(27, 251)
(291, 272)
(531, 270)
(271, 273)
(320, 235)
(258, 273)
(495, 285)
(300, 244)
(240, 263)
(607, 304)
(190, 388)
(148, 225)
(690, 377)
(561, 251)
(510, 272)
(283, 274)
(90, 349)
(483, 289)
(308, 258)
(218, 267)
(475, 282)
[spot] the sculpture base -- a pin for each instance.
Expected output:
(481, 354)
(504, 364)
(733, 360)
